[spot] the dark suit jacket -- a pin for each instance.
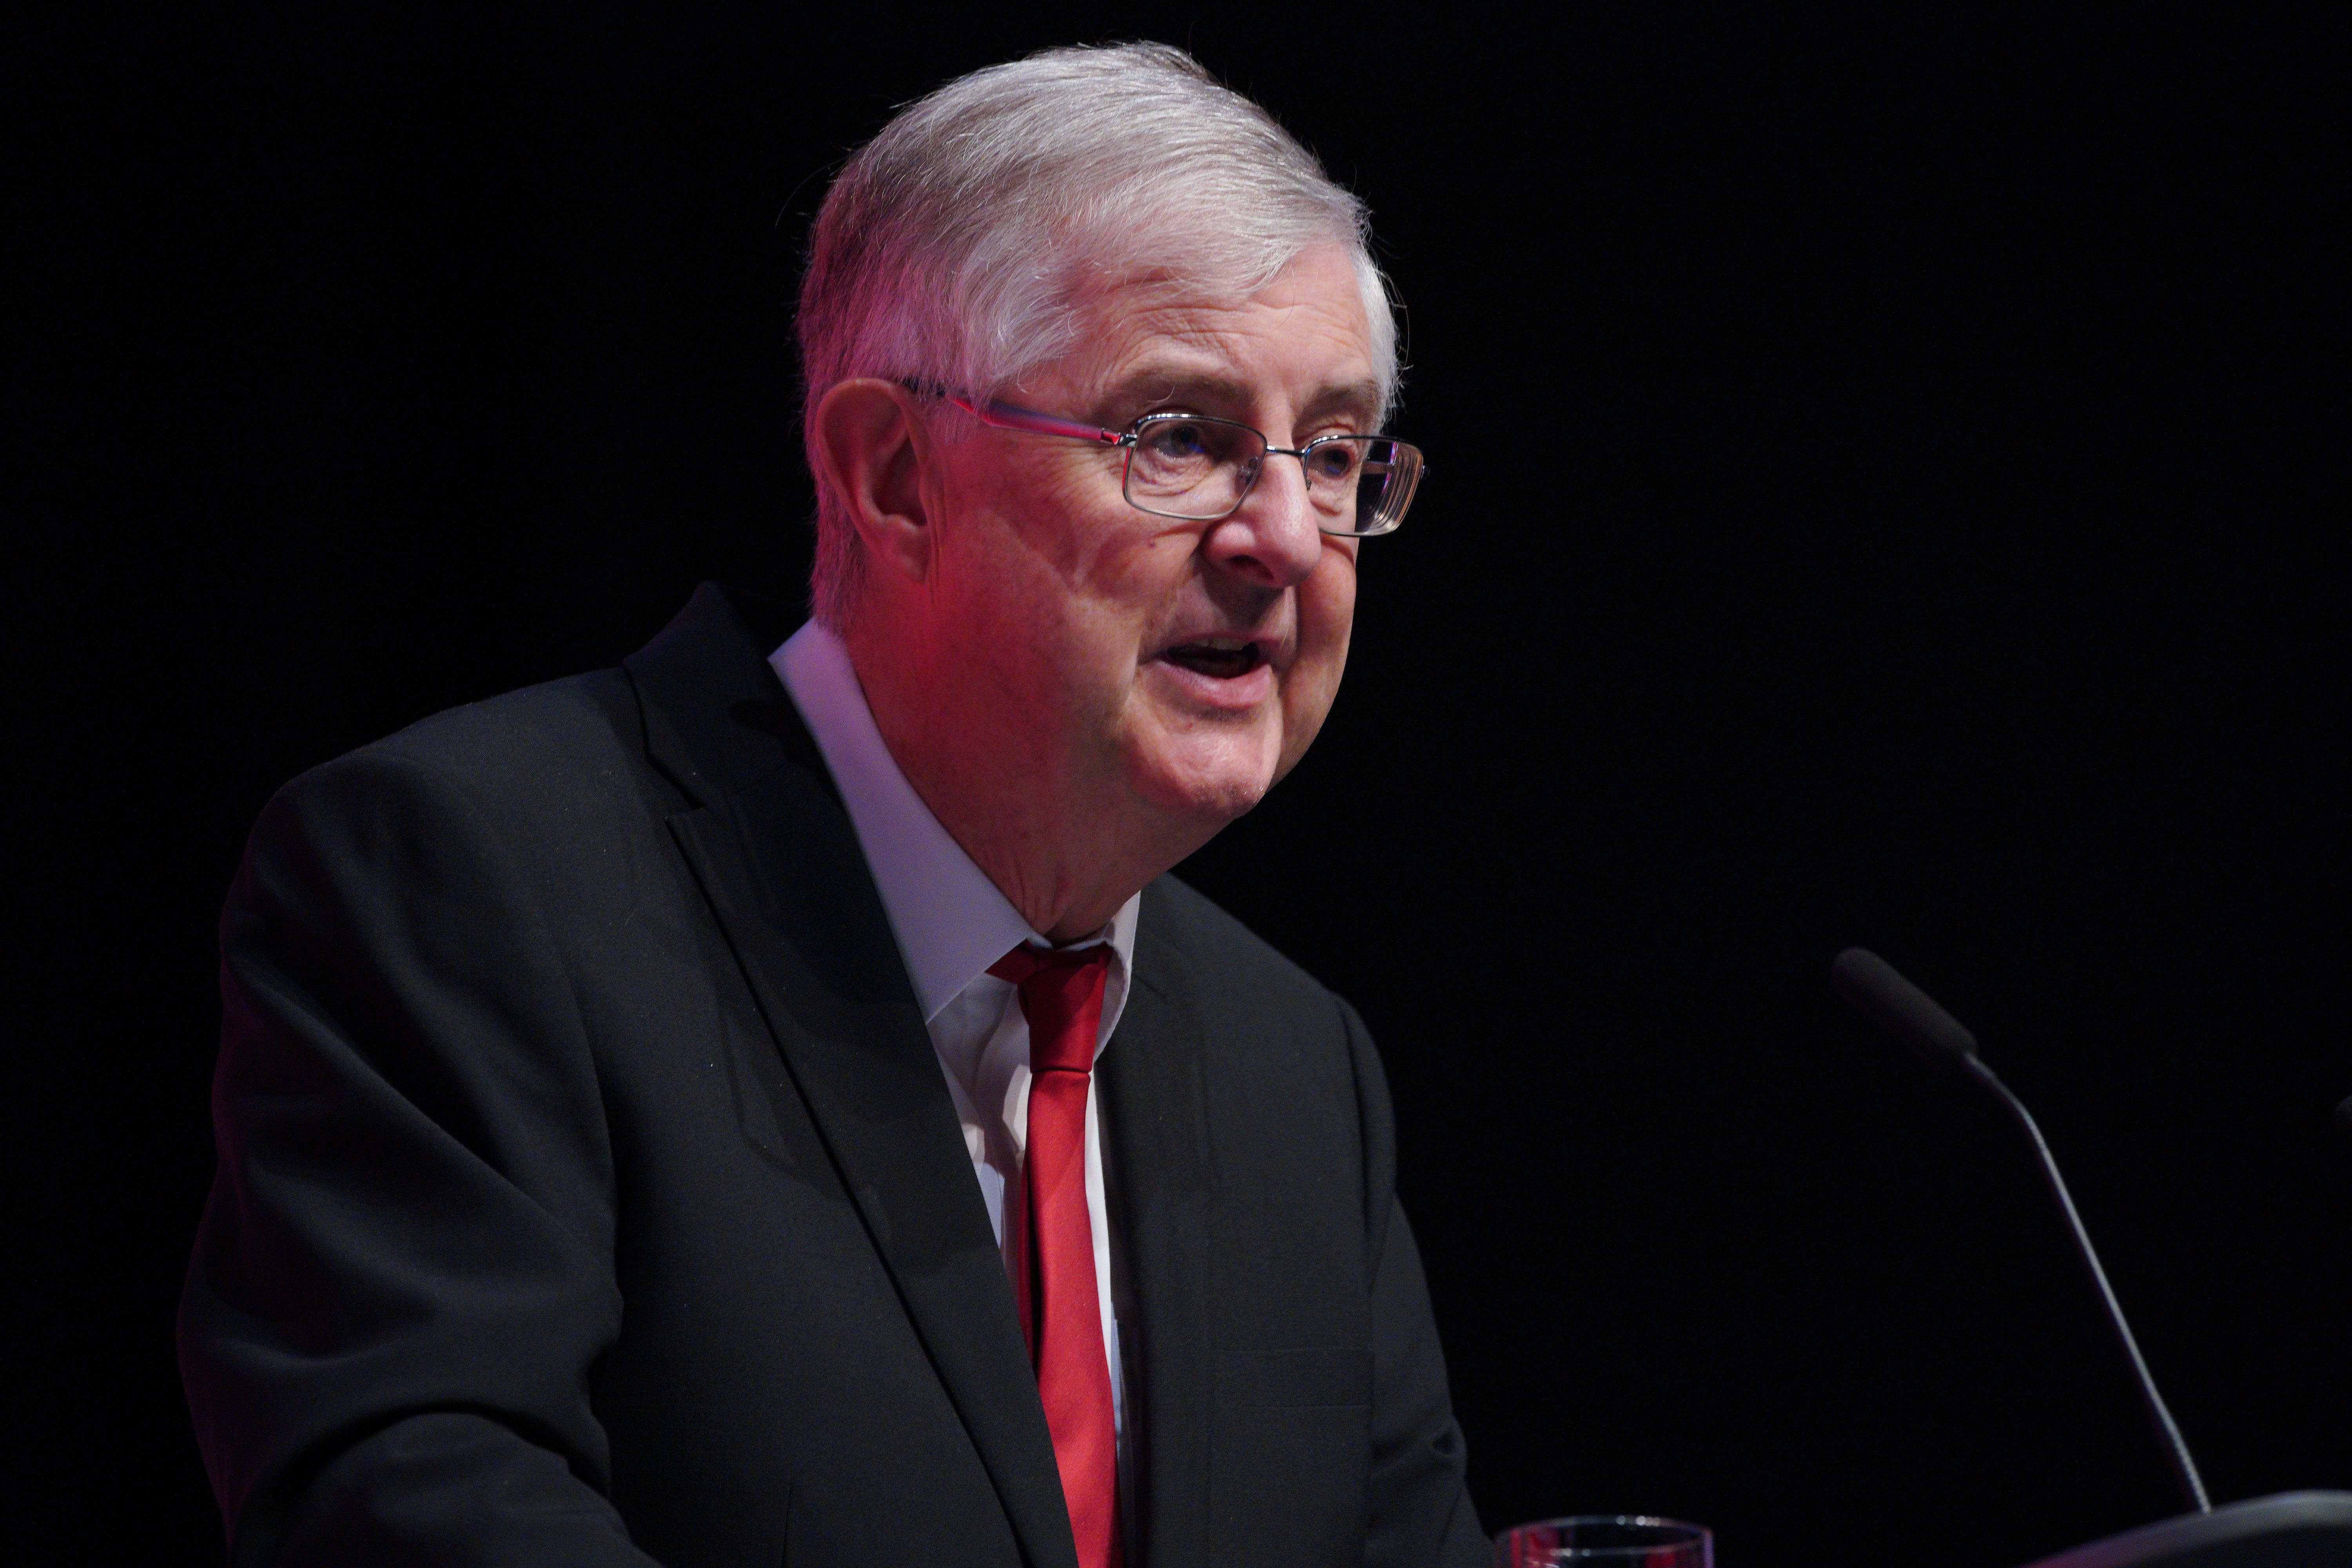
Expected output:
(590, 1193)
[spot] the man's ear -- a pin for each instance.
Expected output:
(877, 451)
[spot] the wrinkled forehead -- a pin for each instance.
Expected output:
(1300, 343)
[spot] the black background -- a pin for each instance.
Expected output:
(1887, 488)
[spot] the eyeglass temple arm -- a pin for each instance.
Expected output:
(1012, 416)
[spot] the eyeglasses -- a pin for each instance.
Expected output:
(1199, 468)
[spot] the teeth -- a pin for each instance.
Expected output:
(1223, 644)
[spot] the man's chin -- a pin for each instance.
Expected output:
(1207, 780)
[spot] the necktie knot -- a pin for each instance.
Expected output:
(1062, 998)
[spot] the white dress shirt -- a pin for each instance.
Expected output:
(952, 923)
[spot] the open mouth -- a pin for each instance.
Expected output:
(1221, 658)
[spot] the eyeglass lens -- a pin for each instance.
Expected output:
(1201, 468)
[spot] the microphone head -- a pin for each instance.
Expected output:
(1871, 987)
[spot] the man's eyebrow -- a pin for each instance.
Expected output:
(1160, 384)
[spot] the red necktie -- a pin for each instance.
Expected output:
(1054, 1244)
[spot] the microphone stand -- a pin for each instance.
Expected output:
(2291, 1530)
(2167, 1434)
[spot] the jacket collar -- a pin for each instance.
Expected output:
(716, 717)
(767, 839)
(1155, 1137)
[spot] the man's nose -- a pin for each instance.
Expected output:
(1272, 539)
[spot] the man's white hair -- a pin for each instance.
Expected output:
(959, 246)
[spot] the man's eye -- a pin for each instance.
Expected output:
(1336, 461)
(1177, 438)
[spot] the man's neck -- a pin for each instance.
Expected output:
(1065, 845)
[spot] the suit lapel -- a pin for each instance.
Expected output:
(1155, 1115)
(779, 863)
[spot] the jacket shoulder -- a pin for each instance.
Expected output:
(580, 735)
(1199, 933)
(583, 719)
(557, 773)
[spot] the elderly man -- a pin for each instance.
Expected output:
(756, 1108)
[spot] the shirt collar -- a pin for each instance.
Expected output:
(950, 921)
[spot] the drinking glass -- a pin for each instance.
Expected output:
(1606, 1540)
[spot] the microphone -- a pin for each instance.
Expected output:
(1871, 985)
(2344, 1120)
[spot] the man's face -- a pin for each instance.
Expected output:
(1188, 664)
